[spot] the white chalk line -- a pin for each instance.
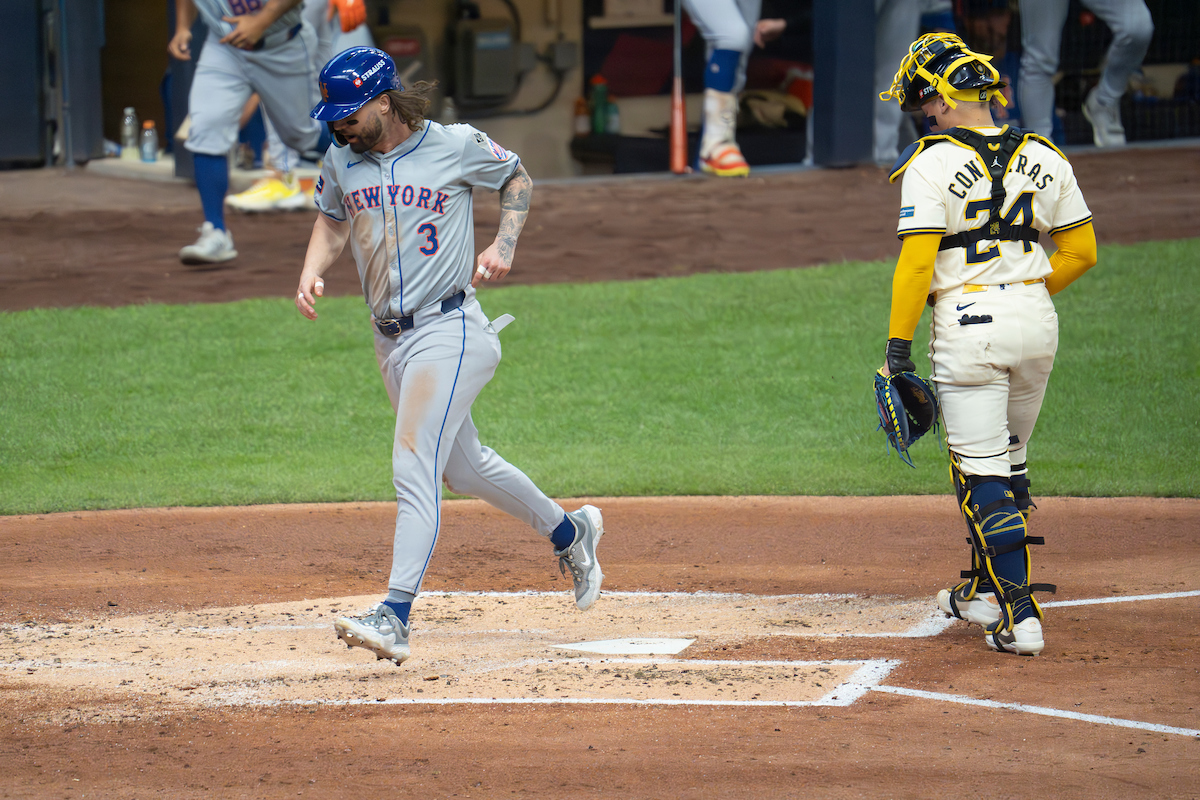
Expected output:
(1119, 599)
(862, 680)
(1040, 710)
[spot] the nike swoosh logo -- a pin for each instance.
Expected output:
(960, 308)
(355, 164)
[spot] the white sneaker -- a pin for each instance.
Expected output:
(1107, 130)
(982, 609)
(266, 194)
(381, 632)
(580, 556)
(1025, 638)
(213, 247)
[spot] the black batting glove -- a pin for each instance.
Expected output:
(899, 352)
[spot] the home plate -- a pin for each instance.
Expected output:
(630, 647)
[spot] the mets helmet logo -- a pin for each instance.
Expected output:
(324, 91)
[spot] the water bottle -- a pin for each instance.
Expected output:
(613, 121)
(149, 141)
(129, 133)
(599, 104)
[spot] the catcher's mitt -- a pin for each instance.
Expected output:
(908, 409)
(351, 13)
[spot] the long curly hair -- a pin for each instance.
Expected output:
(410, 105)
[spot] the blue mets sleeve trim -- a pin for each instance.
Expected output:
(1071, 225)
(331, 216)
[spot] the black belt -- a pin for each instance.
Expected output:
(261, 44)
(395, 327)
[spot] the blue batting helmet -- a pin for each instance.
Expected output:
(351, 79)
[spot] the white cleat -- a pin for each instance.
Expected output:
(213, 247)
(381, 632)
(982, 609)
(1025, 638)
(580, 556)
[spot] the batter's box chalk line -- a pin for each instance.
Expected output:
(865, 676)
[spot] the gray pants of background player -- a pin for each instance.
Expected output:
(226, 77)
(896, 26)
(330, 40)
(726, 25)
(433, 374)
(1041, 40)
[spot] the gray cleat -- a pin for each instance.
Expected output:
(381, 632)
(1107, 130)
(580, 555)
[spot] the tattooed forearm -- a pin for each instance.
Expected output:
(515, 196)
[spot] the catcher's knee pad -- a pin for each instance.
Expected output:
(1019, 479)
(1001, 545)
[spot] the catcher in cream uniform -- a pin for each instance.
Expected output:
(975, 201)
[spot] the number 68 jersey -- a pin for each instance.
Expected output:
(947, 190)
(412, 232)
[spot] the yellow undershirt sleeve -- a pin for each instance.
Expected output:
(1076, 255)
(910, 283)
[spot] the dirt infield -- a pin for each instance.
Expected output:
(756, 647)
(80, 239)
(190, 652)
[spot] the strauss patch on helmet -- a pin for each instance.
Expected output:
(359, 80)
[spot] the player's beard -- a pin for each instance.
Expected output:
(368, 135)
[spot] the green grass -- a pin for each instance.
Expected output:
(713, 384)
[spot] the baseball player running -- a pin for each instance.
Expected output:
(258, 46)
(728, 29)
(975, 200)
(399, 188)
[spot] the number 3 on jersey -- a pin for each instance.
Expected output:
(429, 231)
(1022, 207)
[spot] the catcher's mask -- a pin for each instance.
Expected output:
(941, 63)
(353, 78)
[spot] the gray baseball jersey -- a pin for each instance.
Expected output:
(412, 232)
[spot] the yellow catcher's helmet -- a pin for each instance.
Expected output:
(941, 63)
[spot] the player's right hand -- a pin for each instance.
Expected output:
(311, 287)
(180, 46)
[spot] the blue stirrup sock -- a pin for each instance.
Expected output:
(1003, 525)
(212, 180)
(563, 536)
(400, 603)
(720, 73)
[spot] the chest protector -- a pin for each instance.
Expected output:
(996, 152)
